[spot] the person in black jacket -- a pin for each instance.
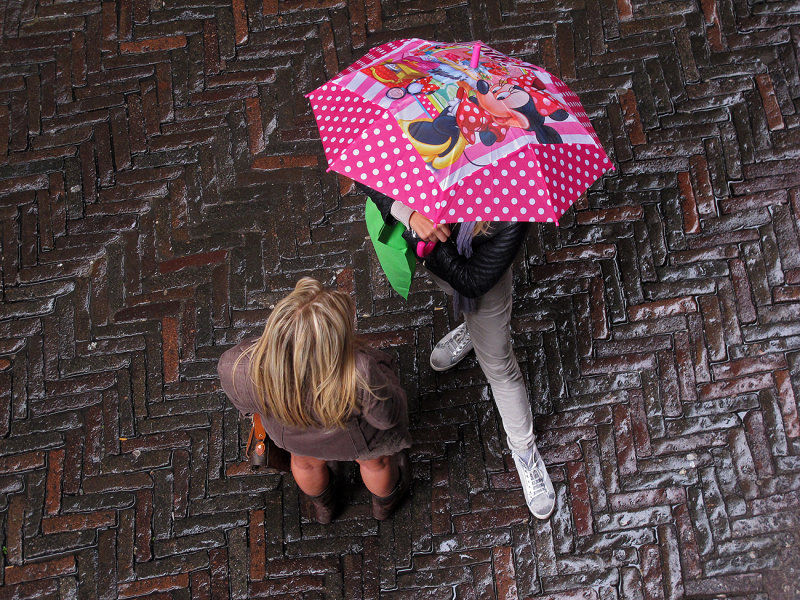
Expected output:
(475, 268)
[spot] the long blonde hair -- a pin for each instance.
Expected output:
(480, 228)
(303, 366)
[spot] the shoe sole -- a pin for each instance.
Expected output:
(443, 369)
(543, 517)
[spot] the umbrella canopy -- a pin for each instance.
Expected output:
(457, 136)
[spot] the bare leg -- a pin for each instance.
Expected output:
(379, 475)
(311, 474)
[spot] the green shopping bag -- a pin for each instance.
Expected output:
(396, 257)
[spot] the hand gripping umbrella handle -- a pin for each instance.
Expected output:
(425, 248)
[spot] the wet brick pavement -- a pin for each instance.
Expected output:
(162, 183)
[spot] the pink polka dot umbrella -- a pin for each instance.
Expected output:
(459, 132)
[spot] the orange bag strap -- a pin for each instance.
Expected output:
(264, 454)
(258, 428)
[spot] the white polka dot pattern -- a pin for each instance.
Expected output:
(342, 117)
(538, 182)
(375, 152)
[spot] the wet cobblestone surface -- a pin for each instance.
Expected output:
(162, 183)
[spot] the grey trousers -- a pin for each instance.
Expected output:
(490, 330)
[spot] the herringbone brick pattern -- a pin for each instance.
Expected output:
(162, 183)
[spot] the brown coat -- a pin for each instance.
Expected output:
(379, 427)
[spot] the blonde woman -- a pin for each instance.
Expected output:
(474, 266)
(324, 396)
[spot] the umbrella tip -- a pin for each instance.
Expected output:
(476, 54)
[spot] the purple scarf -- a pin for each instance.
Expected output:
(462, 304)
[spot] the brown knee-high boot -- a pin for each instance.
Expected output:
(384, 506)
(325, 503)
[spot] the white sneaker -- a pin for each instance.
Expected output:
(451, 349)
(536, 484)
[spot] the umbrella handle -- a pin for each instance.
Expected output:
(425, 248)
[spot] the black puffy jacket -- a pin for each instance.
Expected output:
(492, 252)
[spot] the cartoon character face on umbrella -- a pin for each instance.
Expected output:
(459, 140)
(484, 115)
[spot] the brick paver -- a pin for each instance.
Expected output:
(162, 183)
